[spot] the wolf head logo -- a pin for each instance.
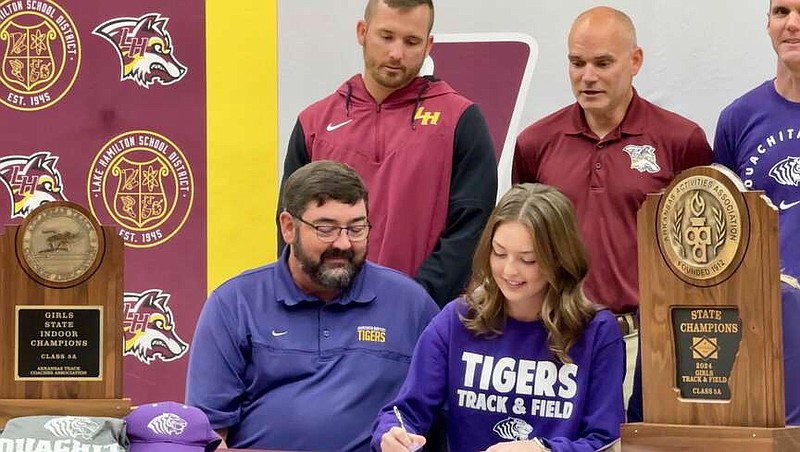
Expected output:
(149, 328)
(144, 47)
(31, 180)
(787, 171)
(513, 429)
(643, 158)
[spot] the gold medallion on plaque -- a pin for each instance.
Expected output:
(60, 244)
(703, 227)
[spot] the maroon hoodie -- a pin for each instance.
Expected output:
(428, 161)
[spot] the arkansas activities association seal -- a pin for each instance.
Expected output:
(703, 226)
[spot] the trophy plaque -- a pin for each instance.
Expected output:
(61, 294)
(63, 342)
(710, 310)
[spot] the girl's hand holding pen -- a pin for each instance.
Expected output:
(398, 438)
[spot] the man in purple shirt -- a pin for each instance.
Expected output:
(606, 152)
(302, 353)
(757, 133)
(757, 138)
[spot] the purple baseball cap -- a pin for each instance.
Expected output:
(170, 427)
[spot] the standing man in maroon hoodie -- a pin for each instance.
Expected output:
(423, 150)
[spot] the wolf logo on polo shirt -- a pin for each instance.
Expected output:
(149, 328)
(643, 158)
(41, 54)
(31, 180)
(144, 47)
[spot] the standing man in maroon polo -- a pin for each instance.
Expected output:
(606, 152)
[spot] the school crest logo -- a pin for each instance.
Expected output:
(643, 158)
(144, 47)
(787, 171)
(142, 181)
(149, 328)
(31, 180)
(513, 429)
(41, 53)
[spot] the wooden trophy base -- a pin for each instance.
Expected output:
(11, 408)
(644, 437)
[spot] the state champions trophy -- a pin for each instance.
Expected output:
(61, 291)
(711, 331)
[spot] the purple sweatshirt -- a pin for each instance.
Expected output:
(512, 387)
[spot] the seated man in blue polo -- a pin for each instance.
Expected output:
(301, 354)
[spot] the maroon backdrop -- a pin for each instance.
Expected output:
(490, 73)
(103, 103)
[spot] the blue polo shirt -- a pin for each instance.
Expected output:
(283, 370)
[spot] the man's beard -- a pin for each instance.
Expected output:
(397, 82)
(336, 277)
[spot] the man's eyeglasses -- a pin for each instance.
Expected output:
(329, 232)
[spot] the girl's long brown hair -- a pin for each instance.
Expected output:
(549, 217)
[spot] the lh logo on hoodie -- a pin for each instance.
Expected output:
(425, 116)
